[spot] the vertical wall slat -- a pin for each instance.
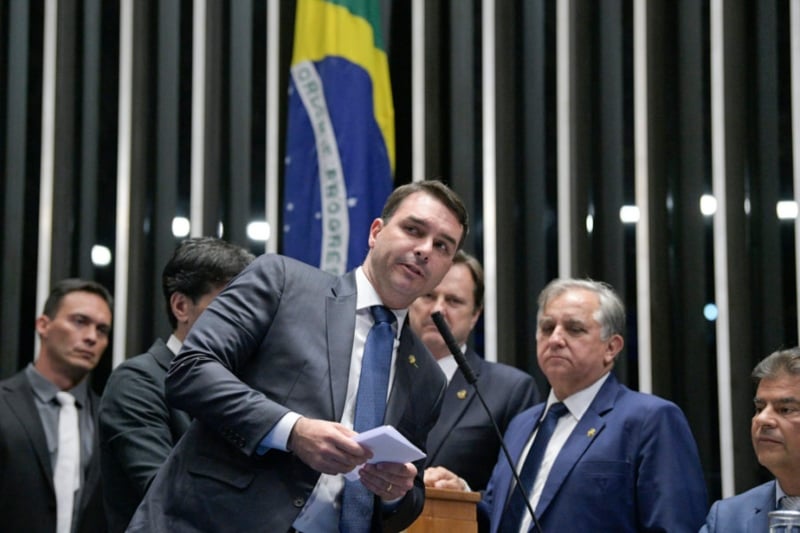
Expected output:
(124, 164)
(14, 219)
(240, 88)
(167, 167)
(273, 159)
(47, 155)
(489, 181)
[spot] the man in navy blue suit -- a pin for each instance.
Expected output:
(617, 460)
(775, 431)
(464, 441)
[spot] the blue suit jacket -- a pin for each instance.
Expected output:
(630, 464)
(279, 338)
(464, 439)
(744, 513)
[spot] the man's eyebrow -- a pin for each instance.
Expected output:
(781, 401)
(421, 222)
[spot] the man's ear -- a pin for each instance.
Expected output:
(614, 345)
(180, 305)
(374, 229)
(42, 321)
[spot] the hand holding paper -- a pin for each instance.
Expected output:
(387, 446)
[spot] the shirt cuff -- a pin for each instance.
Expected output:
(278, 437)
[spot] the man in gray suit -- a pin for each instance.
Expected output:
(463, 445)
(137, 427)
(775, 432)
(270, 373)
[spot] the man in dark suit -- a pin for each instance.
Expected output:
(73, 332)
(270, 373)
(616, 460)
(775, 431)
(137, 427)
(464, 441)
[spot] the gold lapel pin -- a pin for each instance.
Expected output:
(412, 361)
(461, 394)
(591, 433)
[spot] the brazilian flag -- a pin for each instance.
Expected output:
(340, 137)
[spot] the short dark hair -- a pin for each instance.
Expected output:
(434, 188)
(66, 286)
(476, 271)
(198, 266)
(779, 362)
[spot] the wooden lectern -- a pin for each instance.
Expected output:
(447, 511)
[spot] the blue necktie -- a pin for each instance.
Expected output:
(516, 505)
(357, 501)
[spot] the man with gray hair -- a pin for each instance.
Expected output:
(596, 456)
(775, 431)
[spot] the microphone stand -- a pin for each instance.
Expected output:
(469, 375)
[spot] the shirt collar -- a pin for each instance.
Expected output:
(579, 402)
(174, 344)
(46, 390)
(366, 297)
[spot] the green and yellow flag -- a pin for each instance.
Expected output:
(340, 138)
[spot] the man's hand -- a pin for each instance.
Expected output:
(441, 478)
(327, 447)
(390, 481)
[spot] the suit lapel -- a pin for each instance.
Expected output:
(20, 400)
(759, 520)
(93, 468)
(588, 429)
(404, 366)
(515, 444)
(458, 398)
(340, 324)
(162, 354)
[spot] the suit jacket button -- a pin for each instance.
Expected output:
(299, 502)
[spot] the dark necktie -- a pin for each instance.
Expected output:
(516, 506)
(357, 501)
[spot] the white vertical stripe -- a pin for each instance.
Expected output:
(198, 117)
(418, 90)
(46, 168)
(794, 32)
(272, 202)
(124, 162)
(488, 50)
(642, 178)
(718, 171)
(564, 136)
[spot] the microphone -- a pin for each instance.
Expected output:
(463, 365)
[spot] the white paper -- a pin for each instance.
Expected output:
(387, 446)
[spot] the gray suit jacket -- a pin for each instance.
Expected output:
(464, 439)
(747, 512)
(277, 339)
(137, 431)
(27, 496)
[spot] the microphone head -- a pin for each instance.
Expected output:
(444, 331)
(453, 346)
